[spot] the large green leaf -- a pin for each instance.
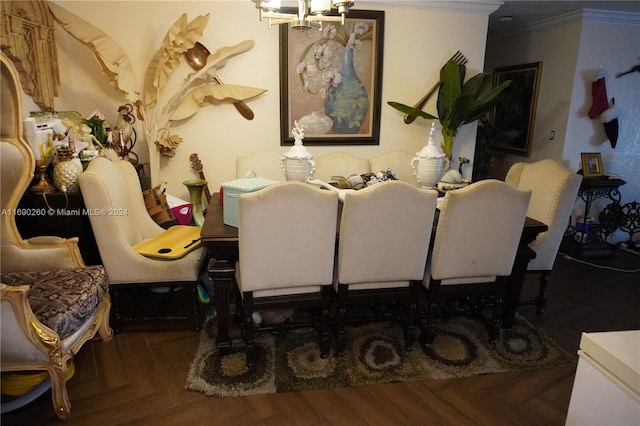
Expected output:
(486, 103)
(459, 103)
(477, 84)
(451, 78)
(411, 110)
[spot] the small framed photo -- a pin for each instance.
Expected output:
(592, 164)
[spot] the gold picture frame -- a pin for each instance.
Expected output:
(592, 164)
(513, 118)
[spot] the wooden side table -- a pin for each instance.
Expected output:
(589, 243)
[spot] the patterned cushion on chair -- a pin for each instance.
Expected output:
(63, 299)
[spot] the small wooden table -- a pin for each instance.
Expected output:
(221, 242)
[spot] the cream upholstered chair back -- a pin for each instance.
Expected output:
(115, 188)
(478, 232)
(265, 164)
(340, 164)
(111, 191)
(286, 236)
(553, 193)
(385, 231)
(400, 163)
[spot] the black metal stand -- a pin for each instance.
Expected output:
(588, 243)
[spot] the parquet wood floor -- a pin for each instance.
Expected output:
(138, 378)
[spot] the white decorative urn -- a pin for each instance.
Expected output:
(428, 164)
(297, 164)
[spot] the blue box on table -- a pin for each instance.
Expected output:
(232, 191)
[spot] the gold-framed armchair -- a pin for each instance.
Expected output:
(51, 303)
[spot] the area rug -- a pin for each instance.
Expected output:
(375, 354)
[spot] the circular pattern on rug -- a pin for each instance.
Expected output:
(378, 352)
(525, 347)
(228, 375)
(375, 353)
(231, 368)
(453, 349)
(306, 363)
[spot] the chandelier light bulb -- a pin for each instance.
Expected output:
(311, 13)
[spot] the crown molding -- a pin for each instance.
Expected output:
(611, 17)
(579, 16)
(478, 6)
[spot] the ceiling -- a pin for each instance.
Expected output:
(527, 12)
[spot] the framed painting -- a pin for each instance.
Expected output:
(592, 164)
(331, 81)
(513, 118)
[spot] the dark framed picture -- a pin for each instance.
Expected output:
(331, 80)
(512, 120)
(591, 164)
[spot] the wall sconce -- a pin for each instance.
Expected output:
(311, 13)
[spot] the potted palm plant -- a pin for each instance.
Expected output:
(459, 102)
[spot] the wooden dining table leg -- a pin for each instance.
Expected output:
(222, 272)
(514, 283)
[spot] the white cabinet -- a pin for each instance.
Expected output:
(606, 390)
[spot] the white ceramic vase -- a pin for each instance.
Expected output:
(428, 164)
(298, 169)
(427, 170)
(297, 164)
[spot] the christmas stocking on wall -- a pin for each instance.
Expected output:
(610, 120)
(608, 113)
(599, 94)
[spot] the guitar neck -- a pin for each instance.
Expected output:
(207, 193)
(196, 165)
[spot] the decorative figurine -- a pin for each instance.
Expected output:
(297, 164)
(84, 134)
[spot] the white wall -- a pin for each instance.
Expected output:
(617, 47)
(556, 82)
(419, 37)
(572, 50)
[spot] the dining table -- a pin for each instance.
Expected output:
(221, 242)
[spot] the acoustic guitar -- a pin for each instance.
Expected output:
(196, 165)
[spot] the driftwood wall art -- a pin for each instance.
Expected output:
(27, 38)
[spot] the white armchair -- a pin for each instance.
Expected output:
(385, 231)
(51, 303)
(477, 237)
(111, 189)
(286, 239)
(554, 191)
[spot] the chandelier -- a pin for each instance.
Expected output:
(311, 13)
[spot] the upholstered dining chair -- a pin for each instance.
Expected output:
(340, 164)
(477, 236)
(111, 189)
(263, 163)
(50, 302)
(385, 231)
(400, 163)
(553, 194)
(286, 237)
